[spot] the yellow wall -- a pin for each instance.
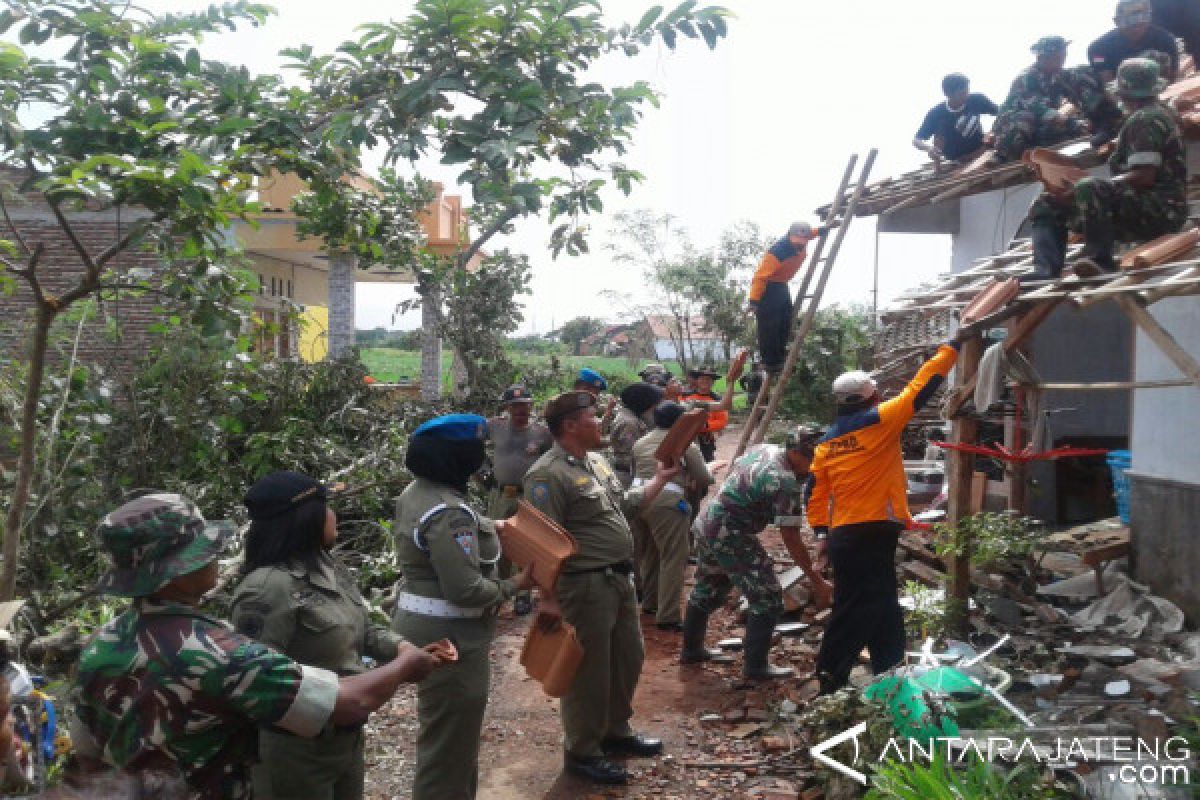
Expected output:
(314, 325)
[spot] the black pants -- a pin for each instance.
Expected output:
(707, 442)
(866, 610)
(774, 325)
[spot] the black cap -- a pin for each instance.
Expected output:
(666, 413)
(568, 402)
(516, 394)
(641, 397)
(280, 492)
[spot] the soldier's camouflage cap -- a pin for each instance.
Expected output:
(155, 539)
(1139, 77)
(1049, 44)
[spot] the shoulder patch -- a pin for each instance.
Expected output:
(466, 540)
(539, 493)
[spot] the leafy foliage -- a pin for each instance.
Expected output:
(833, 346)
(928, 617)
(941, 780)
(989, 537)
(574, 331)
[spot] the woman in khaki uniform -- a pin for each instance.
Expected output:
(299, 599)
(448, 556)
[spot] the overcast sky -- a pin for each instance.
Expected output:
(758, 129)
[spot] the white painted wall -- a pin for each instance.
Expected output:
(702, 350)
(1166, 422)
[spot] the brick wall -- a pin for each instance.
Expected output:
(60, 270)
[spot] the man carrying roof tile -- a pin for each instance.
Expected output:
(1146, 197)
(574, 485)
(1048, 104)
(1134, 36)
(770, 301)
(517, 441)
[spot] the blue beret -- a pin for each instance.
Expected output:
(454, 427)
(592, 378)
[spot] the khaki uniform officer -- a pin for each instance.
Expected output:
(517, 442)
(448, 554)
(575, 487)
(668, 520)
(300, 600)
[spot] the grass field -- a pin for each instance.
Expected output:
(390, 366)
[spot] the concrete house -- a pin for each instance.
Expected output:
(1137, 361)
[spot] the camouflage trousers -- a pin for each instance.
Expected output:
(1105, 212)
(735, 558)
(1017, 131)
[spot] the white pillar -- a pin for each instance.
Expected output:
(342, 267)
(431, 352)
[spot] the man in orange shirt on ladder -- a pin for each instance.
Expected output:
(770, 301)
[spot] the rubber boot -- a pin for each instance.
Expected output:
(695, 624)
(756, 644)
(1049, 252)
(1100, 243)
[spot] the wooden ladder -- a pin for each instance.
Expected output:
(759, 420)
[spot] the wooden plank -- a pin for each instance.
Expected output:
(924, 573)
(959, 474)
(1162, 338)
(979, 482)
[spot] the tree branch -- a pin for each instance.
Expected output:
(29, 272)
(11, 225)
(465, 258)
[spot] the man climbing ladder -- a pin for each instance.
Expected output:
(770, 300)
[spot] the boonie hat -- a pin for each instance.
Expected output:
(153, 540)
(696, 372)
(1139, 78)
(1049, 44)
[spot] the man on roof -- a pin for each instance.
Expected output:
(1134, 36)
(955, 126)
(770, 301)
(1145, 198)
(1048, 104)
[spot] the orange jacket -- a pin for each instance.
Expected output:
(779, 265)
(717, 420)
(858, 469)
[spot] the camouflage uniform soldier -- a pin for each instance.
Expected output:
(764, 486)
(1146, 198)
(517, 442)
(574, 485)
(165, 688)
(1036, 112)
(447, 554)
(667, 520)
(302, 601)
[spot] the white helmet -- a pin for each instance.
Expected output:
(854, 387)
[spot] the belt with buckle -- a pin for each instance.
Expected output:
(670, 487)
(510, 491)
(620, 568)
(436, 607)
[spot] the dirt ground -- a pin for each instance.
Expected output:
(522, 739)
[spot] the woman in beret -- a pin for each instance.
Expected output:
(296, 597)
(448, 555)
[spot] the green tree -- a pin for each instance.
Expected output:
(833, 346)
(131, 117)
(574, 331)
(502, 88)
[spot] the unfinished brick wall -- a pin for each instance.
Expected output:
(61, 268)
